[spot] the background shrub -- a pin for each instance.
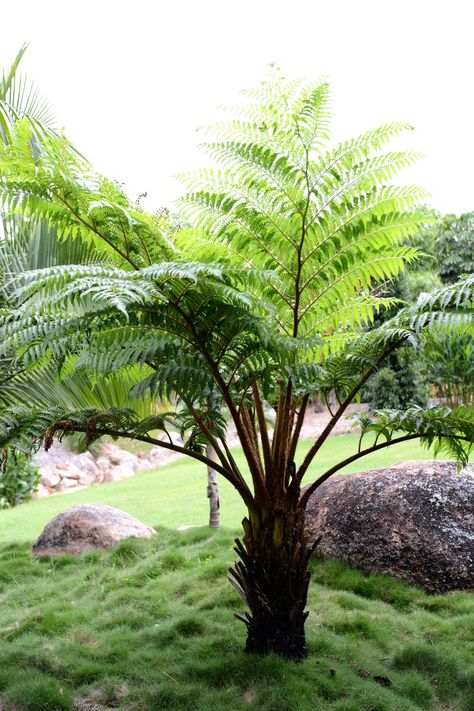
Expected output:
(18, 480)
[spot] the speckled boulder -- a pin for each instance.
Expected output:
(88, 527)
(414, 521)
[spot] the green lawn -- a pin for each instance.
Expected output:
(175, 495)
(150, 625)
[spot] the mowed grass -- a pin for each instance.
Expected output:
(175, 495)
(150, 625)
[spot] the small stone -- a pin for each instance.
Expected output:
(146, 465)
(50, 478)
(102, 463)
(89, 478)
(67, 483)
(72, 473)
(41, 492)
(86, 463)
(119, 473)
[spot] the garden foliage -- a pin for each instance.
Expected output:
(268, 298)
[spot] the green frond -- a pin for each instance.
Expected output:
(328, 221)
(75, 387)
(448, 431)
(46, 179)
(448, 307)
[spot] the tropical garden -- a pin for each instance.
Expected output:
(294, 272)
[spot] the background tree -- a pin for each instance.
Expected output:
(268, 300)
(441, 368)
(449, 366)
(447, 358)
(455, 247)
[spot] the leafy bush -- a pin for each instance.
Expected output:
(382, 390)
(18, 481)
(399, 384)
(449, 364)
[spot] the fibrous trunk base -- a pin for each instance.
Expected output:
(272, 576)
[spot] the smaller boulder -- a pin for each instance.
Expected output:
(88, 527)
(50, 478)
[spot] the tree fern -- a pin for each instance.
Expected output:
(265, 299)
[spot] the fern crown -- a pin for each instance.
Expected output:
(267, 295)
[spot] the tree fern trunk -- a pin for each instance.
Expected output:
(212, 491)
(272, 576)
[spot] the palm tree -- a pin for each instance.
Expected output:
(20, 98)
(267, 301)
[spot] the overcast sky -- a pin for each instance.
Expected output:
(131, 81)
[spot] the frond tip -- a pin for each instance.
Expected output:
(449, 431)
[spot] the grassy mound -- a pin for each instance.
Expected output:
(150, 625)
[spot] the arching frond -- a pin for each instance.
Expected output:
(46, 179)
(450, 431)
(326, 220)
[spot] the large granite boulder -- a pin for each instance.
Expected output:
(87, 527)
(414, 521)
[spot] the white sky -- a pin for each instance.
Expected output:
(132, 80)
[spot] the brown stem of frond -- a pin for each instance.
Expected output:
(262, 425)
(297, 431)
(258, 475)
(340, 411)
(64, 426)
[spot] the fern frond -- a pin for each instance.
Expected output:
(449, 431)
(46, 179)
(326, 221)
